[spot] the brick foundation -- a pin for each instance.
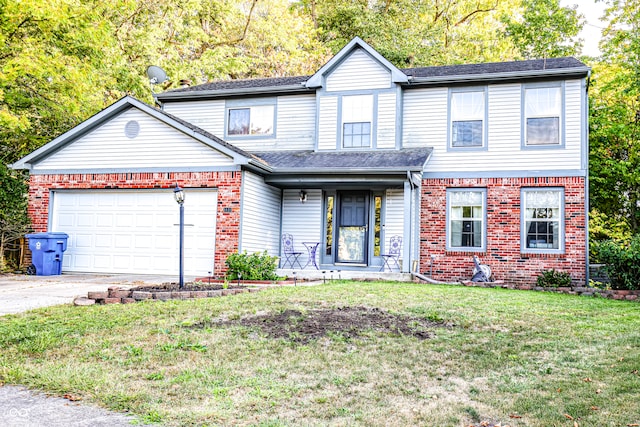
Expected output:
(503, 252)
(228, 185)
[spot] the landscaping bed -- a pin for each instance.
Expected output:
(617, 294)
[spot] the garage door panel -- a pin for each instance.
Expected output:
(104, 220)
(81, 241)
(104, 241)
(135, 231)
(82, 220)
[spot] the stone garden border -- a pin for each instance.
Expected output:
(119, 295)
(628, 295)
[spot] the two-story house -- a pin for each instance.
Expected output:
(483, 159)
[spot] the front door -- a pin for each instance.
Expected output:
(353, 227)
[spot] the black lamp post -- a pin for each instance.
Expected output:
(178, 194)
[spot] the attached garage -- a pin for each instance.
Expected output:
(135, 231)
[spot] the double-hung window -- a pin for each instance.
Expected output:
(466, 219)
(467, 118)
(542, 222)
(254, 120)
(543, 116)
(357, 120)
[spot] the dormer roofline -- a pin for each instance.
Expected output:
(317, 80)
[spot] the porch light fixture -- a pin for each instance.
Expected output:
(303, 196)
(178, 194)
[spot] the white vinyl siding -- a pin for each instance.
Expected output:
(425, 125)
(260, 216)
(157, 146)
(295, 122)
(135, 231)
(386, 137)
(302, 220)
(393, 216)
(359, 71)
(327, 123)
(207, 115)
(425, 119)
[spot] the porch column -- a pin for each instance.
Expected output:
(406, 238)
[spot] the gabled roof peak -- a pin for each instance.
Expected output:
(317, 79)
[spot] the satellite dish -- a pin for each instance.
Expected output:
(156, 75)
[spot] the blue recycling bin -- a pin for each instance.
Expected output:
(46, 252)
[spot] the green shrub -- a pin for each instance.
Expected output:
(622, 262)
(255, 266)
(554, 279)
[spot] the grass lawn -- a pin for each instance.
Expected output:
(512, 357)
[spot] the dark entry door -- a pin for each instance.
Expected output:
(353, 227)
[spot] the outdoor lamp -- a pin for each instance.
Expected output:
(303, 196)
(178, 194)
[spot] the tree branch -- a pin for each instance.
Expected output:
(475, 12)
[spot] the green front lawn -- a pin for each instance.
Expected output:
(512, 357)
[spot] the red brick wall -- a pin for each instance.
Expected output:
(227, 183)
(503, 253)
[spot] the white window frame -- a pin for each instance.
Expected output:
(450, 217)
(252, 106)
(357, 109)
(526, 220)
(542, 110)
(462, 107)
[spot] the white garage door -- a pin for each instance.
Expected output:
(115, 231)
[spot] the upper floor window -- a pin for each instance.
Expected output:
(467, 113)
(466, 224)
(357, 119)
(542, 211)
(542, 115)
(255, 120)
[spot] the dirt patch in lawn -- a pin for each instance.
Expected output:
(345, 322)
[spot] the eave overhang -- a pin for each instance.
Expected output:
(577, 72)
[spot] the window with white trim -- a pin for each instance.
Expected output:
(467, 118)
(542, 211)
(542, 111)
(466, 212)
(357, 119)
(250, 120)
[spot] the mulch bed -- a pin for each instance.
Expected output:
(166, 287)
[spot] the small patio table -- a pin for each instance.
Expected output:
(312, 248)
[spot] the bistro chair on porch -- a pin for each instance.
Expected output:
(392, 253)
(290, 254)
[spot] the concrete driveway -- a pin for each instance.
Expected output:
(20, 293)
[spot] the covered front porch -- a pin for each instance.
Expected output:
(349, 221)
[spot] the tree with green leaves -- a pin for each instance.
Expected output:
(615, 127)
(545, 29)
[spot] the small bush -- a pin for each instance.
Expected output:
(554, 279)
(622, 262)
(255, 266)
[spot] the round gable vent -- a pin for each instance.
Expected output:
(132, 129)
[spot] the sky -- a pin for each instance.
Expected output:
(591, 32)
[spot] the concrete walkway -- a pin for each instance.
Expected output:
(20, 407)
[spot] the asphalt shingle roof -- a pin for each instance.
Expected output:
(495, 67)
(413, 158)
(461, 70)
